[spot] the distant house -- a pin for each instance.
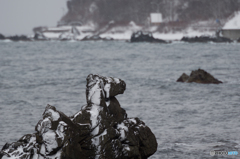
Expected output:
(156, 18)
(231, 29)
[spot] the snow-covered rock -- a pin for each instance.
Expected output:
(100, 129)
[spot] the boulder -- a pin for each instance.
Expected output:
(205, 39)
(2, 37)
(101, 129)
(198, 76)
(141, 36)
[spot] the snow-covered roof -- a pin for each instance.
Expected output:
(233, 23)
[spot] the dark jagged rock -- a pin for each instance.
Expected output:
(2, 37)
(199, 76)
(100, 129)
(19, 38)
(96, 38)
(204, 39)
(140, 36)
(183, 78)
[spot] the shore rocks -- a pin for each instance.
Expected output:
(100, 129)
(15, 38)
(205, 39)
(198, 76)
(96, 38)
(140, 36)
(19, 38)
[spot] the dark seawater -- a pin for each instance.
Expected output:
(188, 120)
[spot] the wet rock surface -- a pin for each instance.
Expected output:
(141, 36)
(100, 129)
(198, 76)
(204, 39)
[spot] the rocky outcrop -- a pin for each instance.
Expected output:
(183, 78)
(198, 76)
(140, 36)
(100, 129)
(205, 39)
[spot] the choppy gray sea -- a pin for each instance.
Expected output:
(189, 120)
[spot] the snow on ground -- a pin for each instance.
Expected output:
(125, 32)
(52, 35)
(179, 35)
(59, 28)
(165, 36)
(118, 36)
(233, 23)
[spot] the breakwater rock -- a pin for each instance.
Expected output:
(198, 76)
(205, 39)
(141, 36)
(101, 129)
(15, 38)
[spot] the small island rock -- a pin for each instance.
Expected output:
(198, 76)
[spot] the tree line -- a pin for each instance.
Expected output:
(123, 11)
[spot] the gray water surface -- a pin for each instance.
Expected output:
(189, 120)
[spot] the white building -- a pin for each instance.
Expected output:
(156, 18)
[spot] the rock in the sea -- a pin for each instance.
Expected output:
(141, 36)
(19, 38)
(204, 39)
(2, 37)
(183, 78)
(100, 129)
(198, 76)
(96, 38)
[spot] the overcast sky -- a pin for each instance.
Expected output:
(21, 16)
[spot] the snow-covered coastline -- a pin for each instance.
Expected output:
(111, 31)
(115, 32)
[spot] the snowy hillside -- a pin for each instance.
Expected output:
(233, 23)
